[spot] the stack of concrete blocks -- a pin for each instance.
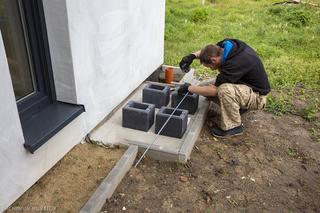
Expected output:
(140, 116)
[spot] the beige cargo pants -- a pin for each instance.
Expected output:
(232, 97)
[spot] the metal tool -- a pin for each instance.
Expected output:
(154, 140)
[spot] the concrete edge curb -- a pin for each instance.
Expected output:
(156, 152)
(193, 134)
(110, 183)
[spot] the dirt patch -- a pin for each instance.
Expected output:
(70, 183)
(274, 166)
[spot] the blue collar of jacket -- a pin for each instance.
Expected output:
(227, 46)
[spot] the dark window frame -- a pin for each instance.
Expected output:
(41, 114)
(40, 55)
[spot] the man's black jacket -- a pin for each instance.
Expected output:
(243, 66)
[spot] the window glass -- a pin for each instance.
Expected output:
(14, 38)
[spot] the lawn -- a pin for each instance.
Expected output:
(286, 37)
(275, 165)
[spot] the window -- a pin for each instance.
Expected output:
(17, 52)
(22, 32)
(24, 35)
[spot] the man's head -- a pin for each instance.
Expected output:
(211, 56)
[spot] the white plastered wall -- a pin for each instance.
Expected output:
(59, 42)
(115, 45)
(18, 168)
(101, 51)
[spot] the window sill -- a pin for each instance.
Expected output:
(43, 125)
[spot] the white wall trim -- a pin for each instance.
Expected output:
(61, 56)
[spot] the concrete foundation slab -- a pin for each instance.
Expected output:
(165, 148)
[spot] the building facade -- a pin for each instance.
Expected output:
(65, 65)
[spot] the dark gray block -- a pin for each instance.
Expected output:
(190, 103)
(156, 94)
(136, 115)
(176, 126)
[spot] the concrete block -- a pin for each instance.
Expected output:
(190, 103)
(110, 183)
(158, 95)
(136, 115)
(177, 124)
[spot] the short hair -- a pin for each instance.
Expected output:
(209, 51)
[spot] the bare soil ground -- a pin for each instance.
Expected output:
(69, 184)
(273, 167)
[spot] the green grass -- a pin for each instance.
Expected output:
(309, 113)
(287, 38)
(277, 105)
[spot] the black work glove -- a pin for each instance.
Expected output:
(183, 89)
(186, 62)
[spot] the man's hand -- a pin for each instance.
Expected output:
(197, 53)
(186, 62)
(183, 89)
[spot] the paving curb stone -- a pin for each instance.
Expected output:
(156, 151)
(110, 183)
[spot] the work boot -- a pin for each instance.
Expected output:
(217, 132)
(242, 111)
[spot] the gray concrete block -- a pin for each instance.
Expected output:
(177, 124)
(159, 95)
(136, 115)
(110, 183)
(190, 103)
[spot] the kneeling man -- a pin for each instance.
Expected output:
(242, 82)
